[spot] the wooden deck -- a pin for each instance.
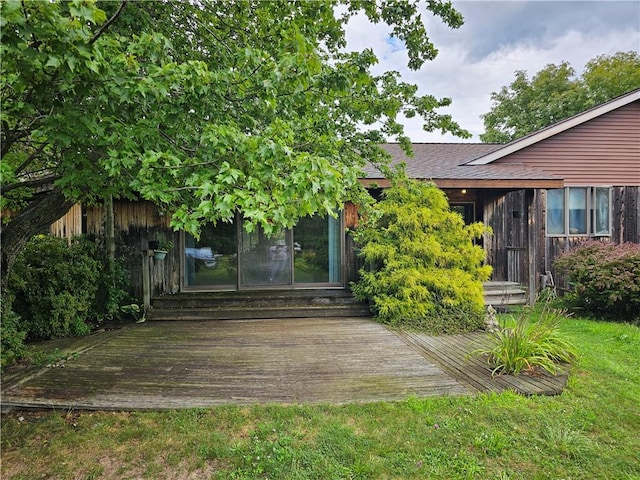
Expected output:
(163, 365)
(451, 353)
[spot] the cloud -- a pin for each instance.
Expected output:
(497, 39)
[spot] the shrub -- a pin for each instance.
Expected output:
(55, 286)
(605, 279)
(528, 343)
(11, 335)
(423, 270)
(112, 294)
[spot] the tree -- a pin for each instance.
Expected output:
(555, 93)
(607, 77)
(205, 108)
(422, 268)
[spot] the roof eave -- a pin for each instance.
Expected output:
(476, 183)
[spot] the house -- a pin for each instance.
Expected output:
(597, 154)
(540, 194)
(499, 196)
(543, 193)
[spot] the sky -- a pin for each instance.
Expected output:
(497, 39)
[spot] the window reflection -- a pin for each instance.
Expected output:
(602, 211)
(577, 211)
(212, 259)
(555, 211)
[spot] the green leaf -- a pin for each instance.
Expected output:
(53, 62)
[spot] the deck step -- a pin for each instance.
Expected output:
(292, 303)
(504, 293)
(256, 305)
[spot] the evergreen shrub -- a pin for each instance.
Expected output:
(604, 279)
(422, 268)
(11, 336)
(54, 286)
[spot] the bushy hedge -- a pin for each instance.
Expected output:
(11, 335)
(604, 279)
(55, 285)
(422, 268)
(58, 289)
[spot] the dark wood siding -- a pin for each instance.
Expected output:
(135, 224)
(507, 214)
(602, 151)
(626, 207)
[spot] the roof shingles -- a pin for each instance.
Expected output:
(446, 161)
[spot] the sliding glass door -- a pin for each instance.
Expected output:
(317, 251)
(265, 261)
(227, 257)
(210, 263)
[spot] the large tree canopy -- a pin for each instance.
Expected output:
(555, 93)
(205, 108)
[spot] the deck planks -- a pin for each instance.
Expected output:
(451, 353)
(166, 365)
(196, 364)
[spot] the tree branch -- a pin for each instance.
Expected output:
(12, 135)
(36, 182)
(104, 27)
(188, 150)
(30, 158)
(42, 211)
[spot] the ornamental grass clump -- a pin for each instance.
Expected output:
(529, 343)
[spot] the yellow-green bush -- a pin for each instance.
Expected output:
(422, 267)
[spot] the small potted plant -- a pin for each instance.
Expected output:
(162, 247)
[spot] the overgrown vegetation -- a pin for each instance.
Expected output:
(590, 431)
(529, 342)
(11, 335)
(208, 109)
(422, 268)
(604, 279)
(55, 286)
(57, 289)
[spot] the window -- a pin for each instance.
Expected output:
(555, 212)
(579, 211)
(601, 212)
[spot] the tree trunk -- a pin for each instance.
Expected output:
(37, 217)
(110, 243)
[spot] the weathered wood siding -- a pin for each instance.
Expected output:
(351, 262)
(507, 216)
(136, 223)
(625, 228)
(70, 225)
(626, 215)
(67, 226)
(519, 249)
(603, 151)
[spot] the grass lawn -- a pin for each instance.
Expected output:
(591, 431)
